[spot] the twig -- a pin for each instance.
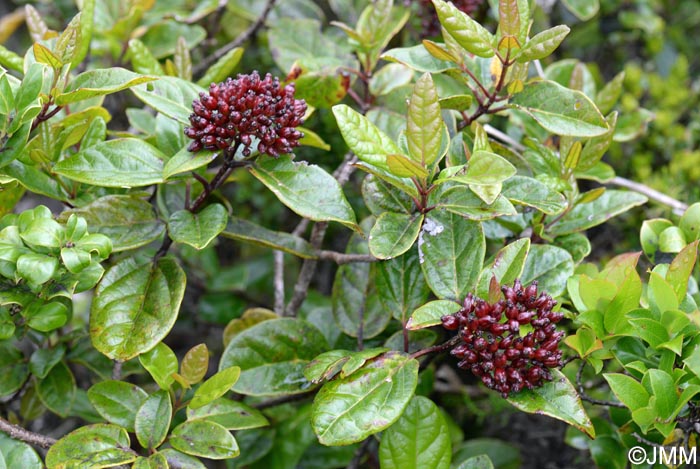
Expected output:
(18, 433)
(117, 370)
(279, 282)
(538, 68)
(641, 439)
(677, 206)
(342, 258)
(437, 348)
(357, 458)
(587, 398)
(243, 37)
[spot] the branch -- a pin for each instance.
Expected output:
(677, 206)
(284, 400)
(587, 398)
(18, 433)
(279, 282)
(437, 348)
(342, 258)
(243, 37)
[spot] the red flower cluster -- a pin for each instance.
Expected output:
(492, 346)
(430, 21)
(239, 109)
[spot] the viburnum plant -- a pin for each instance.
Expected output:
(169, 294)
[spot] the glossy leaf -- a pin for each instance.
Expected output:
(117, 401)
(222, 68)
(558, 399)
(551, 266)
(198, 229)
(417, 58)
(57, 390)
(424, 127)
(152, 419)
(430, 314)
(123, 162)
(306, 189)
(215, 387)
(402, 285)
(95, 446)
(170, 96)
(161, 363)
(542, 45)
(100, 82)
(14, 453)
(533, 193)
(232, 415)
(205, 439)
(507, 265)
(393, 234)
(628, 390)
(466, 31)
(369, 143)
(128, 221)
(135, 306)
(349, 410)
(272, 356)
(560, 110)
(195, 364)
(585, 216)
(681, 269)
(451, 251)
(420, 439)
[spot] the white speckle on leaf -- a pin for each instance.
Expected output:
(433, 229)
(590, 217)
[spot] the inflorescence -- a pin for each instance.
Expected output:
(493, 346)
(238, 110)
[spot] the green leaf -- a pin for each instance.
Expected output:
(170, 96)
(462, 201)
(560, 110)
(393, 234)
(117, 401)
(649, 235)
(215, 387)
(550, 265)
(57, 390)
(44, 359)
(585, 216)
(14, 453)
(128, 221)
(557, 399)
(451, 251)
(477, 462)
(13, 369)
(195, 364)
(430, 314)
(419, 439)
(135, 306)
(44, 232)
(36, 268)
(142, 60)
(248, 232)
(402, 285)
(485, 168)
(153, 419)
(543, 44)
(100, 82)
(417, 58)
(466, 31)
(424, 124)
(161, 38)
(533, 193)
(47, 317)
(161, 363)
(306, 189)
(92, 446)
(204, 439)
(628, 390)
(583, 9)
(664, 389)
(370, 144)
(123, 162)
(507, 265)
(389, 78)
(672, 239)
(222, 68)
(690, 222)
(185, 161)
(661, 295)
(43, 55)
(272, 356)
(357, 308)
(198, 229)
(401, 166)
(681, 268)
(350, 409)
(232, 415)
(176, 458)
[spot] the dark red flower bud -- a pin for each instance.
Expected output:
(450, 322)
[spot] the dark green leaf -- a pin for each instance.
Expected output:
(551, 266)
(402, 285)
(451, 251)
(272, 356)
(205, 439)
(349, 410)
(135, 305)
(117, 401)
(57, 389)
(14, 453)
(93, 446)
(585, 216)
(198, 229)
(44, 359)
(153, 419)
(306, 189)
(248, 232)
(418, 440)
